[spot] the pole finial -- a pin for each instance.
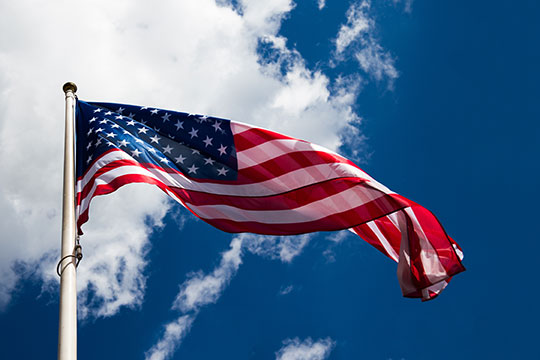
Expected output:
(69, 86)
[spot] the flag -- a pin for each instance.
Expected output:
(241, 178)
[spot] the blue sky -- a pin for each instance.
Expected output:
(434, 100)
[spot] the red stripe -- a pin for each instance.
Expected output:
(337, 221)
(286, 163)
(256, 136)
(93, 162)
(387, 228)
(102, 170)
(440, 241)
(262, 172)
(369, 236)
(114, 185)
(288, 200)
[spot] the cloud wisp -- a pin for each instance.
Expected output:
(357, 37)
(407, 5)
(196, 292)
(294, 349)
(201, 289)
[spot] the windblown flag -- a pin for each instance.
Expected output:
(241, 178)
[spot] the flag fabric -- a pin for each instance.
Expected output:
(241, 178)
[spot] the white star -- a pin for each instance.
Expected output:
(114, 126)
(156, 129)
(179, 125)
(222, 171)
(164, 160)
(126, 132)
(139, 141)
(167, 149)
(131, 122)
(88, 146)
(151, 149)
(216, 125)
(108, 113)
(144, 107)
(193, 169)
(136, 152)
(98, 142)
(89, 132)
(120, 110)
(119, 117)
(222, 150)
(166, 117)
(209, 161)
(154, 112)
(155, 139)
(131, 115)
(104, 121)
(89, 159)
(207, 141)
(193, 133)
(92, 120)
(111, 134)
(123, 143)
(203, 118)
(195, 151)
(180, 159)
(97, 110)
(99, 130)
(143, 130)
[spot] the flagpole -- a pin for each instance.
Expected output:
(67, 330)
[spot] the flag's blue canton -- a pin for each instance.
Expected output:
(199, 146)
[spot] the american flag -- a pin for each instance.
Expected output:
(241, 178)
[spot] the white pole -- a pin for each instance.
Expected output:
(67, 331)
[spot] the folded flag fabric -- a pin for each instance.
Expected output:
(241, 178)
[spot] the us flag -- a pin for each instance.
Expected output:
(240, 178)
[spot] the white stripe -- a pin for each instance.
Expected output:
(260, 189)
(436, 288)
(277, 147)
(286, 182)
(433, 268)
(273, 148)
(270, 150)
(102, 161)
(108, 177)
(389, 249)
(346, 200)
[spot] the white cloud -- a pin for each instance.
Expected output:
(284, 248)
(338, 236)
(357, 35)
(200, 289)
(407, 5)
(285, 290)
(174, 333)
(294, 349)
(374, 60)
(193, 55)
(197, 291)
(358, 23)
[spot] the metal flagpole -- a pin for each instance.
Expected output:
(67, 330)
